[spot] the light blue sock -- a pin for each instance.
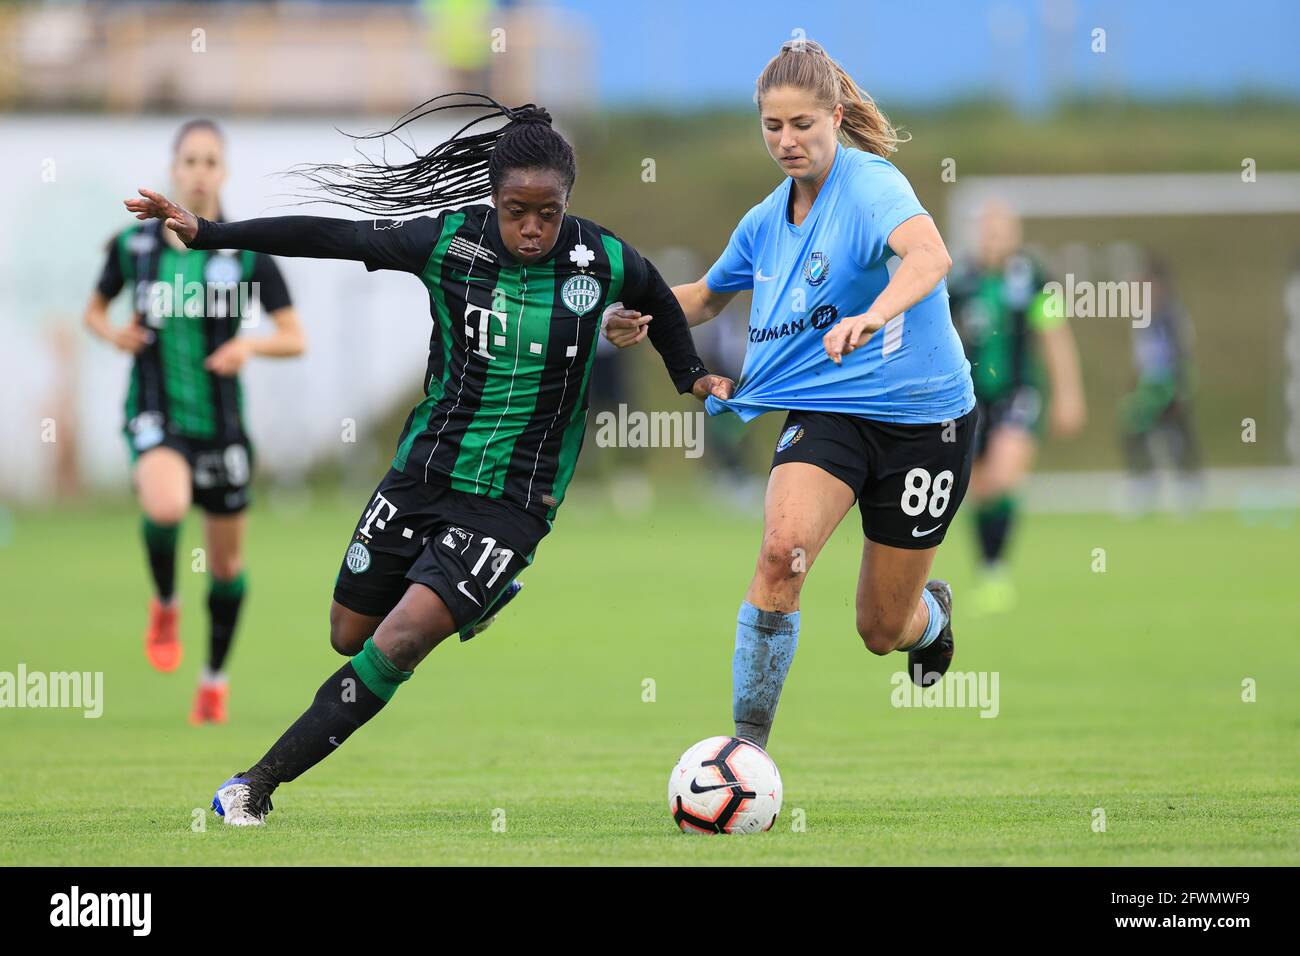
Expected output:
(765, 645)
(937, 621)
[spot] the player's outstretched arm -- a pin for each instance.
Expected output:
(174, 216)
(313, 237)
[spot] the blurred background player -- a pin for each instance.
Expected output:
(184, 407)
(997, 304)
(1158, 410)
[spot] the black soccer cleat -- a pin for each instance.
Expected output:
(927, 665)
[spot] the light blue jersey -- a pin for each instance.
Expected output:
(806, 278)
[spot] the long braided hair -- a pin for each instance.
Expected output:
(466, 167)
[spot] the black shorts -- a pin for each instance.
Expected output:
(1022, 409)
(465, 548)
(909, 479)
(220, 471)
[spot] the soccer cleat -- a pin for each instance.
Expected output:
(210, 703)
(927, 665)
(508, 595)
(162, 643)
(239, 804)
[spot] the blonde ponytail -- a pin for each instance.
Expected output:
(805, 65)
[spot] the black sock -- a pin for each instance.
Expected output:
(160, 543)
(224, 601)
(994, 518)
(351, 696)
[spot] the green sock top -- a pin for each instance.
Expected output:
(161, 535)
(227, 590)
(996, 507)
(377, 672)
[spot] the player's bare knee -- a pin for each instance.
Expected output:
(224, 568)
(166, 512)
(783, 563)
(345, 640)
(345, 637)
(405, 639)
(880, 635)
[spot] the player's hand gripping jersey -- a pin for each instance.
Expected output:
(807, 277)
(511, 350)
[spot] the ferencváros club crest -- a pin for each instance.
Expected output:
(816, 268)
(358, 558)
(223, 268)
(580, 293)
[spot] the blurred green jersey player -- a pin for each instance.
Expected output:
(1156, 416)
(1016, 347)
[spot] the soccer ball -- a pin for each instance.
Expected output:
(724, 785)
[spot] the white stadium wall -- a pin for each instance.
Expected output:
(65, 179)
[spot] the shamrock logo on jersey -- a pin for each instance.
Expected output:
(581, 255)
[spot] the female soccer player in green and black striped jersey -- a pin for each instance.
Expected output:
(517, 293)
(184, 408)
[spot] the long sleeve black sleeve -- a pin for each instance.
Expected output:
(399, 244)
(315, 237)
(670, 334)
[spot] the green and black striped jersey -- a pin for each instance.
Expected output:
(193, 301)
(998, 315)
(512, 344)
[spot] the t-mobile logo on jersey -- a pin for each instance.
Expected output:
(484, 331)
(376, 517)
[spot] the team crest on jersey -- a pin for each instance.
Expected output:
(146, 430)
(222, 269)
(141, 242)
(1019, 282)
(580, 293)
(789, 437)
(816, 268)
(358, 558)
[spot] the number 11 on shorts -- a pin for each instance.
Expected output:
(499, 563)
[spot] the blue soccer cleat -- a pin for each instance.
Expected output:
(483, 623)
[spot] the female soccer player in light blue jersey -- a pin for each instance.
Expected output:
(861, 352)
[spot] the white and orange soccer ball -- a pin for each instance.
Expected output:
(725, 785)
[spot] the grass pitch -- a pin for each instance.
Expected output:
(1119, 690)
